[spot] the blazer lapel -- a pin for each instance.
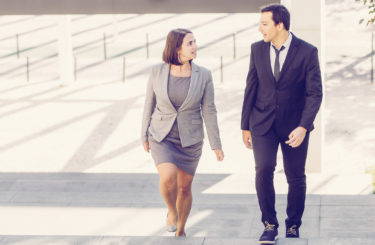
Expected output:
(267, 60)
(290, 55)
(193, 84)
(164, 76)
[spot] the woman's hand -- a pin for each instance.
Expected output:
(219, 154)
(146, 146)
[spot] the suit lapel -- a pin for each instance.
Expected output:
(290, 56)
(164, 76)
(193, 85)
(267, 60)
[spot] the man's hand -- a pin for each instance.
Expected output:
(296, 137)
(247, 140)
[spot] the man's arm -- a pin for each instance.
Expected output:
(250, 93)
(313, 91)
(248, 102)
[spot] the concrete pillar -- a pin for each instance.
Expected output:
(307, 22)
(66, 66)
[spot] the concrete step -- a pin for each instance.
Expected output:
(117, 240)
(129, 205)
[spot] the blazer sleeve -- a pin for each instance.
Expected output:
(149, 107)
(250, 93)
(313, 91)
(209, 114)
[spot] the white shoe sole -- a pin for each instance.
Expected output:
(268, 242)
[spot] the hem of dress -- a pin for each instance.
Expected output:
(156, 164)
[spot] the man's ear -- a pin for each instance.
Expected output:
(280, 26)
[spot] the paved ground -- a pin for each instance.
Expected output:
(78, 208)
(72, 170)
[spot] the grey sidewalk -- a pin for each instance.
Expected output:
(77, 208)
(92, 128)
(61, 240)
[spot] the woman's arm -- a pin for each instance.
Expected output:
(149, 107)
(209, 114)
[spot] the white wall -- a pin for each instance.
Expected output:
(307, 23)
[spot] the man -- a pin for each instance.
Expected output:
(282, 97)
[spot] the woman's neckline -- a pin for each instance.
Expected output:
(179, 76)
(186, 68)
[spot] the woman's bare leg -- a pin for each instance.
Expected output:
(168, 189)
(184, 200)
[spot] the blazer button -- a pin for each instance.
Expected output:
(277, 106)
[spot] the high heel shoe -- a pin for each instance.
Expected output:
(171, 228)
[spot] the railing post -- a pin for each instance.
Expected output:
(147, 46)
(27, 69)
(18, 46)
(75, 68)
(221, 69)
(123, 69)
(104, 46)
(234, 46)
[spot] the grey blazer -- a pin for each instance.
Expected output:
(159, 114)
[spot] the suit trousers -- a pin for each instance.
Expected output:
(265, 149)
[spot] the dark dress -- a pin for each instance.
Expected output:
(170, 149)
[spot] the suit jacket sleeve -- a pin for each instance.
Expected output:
(209, 114)
(149, 108)
(250, 93)
(313, 91)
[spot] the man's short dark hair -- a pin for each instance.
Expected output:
(280, 14)
(173, 44)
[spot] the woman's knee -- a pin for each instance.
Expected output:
(184, 183)
(168, 174)
(169, 180)
(184, 188)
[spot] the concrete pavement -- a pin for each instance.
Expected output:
(72, 170)
(79, 208)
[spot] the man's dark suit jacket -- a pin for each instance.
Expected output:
(293, 100)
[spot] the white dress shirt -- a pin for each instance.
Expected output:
(282, 55)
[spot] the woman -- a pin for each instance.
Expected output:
(178, 94)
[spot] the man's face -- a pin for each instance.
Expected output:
(267, 27)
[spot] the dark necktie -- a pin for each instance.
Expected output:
(276, 68)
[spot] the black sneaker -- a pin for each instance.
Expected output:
(292, 232)
(269, 235)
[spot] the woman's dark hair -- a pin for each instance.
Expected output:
(173, 44)
(279, 14)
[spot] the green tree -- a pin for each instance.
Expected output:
(370, 4)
